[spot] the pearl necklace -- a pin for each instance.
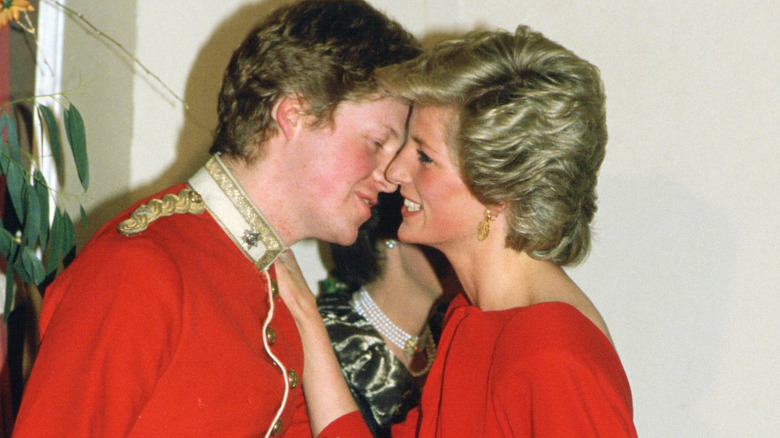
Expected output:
(367, 308)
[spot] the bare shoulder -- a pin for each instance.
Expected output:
(560, 287)
(586, 307)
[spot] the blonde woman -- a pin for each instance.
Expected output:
(506, 138)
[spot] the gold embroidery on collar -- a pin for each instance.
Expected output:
(187, 201)
(266, 234)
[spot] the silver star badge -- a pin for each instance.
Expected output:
(251, 237)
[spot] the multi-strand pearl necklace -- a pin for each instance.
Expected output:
(368, 309)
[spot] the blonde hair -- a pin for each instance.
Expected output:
(531, 132)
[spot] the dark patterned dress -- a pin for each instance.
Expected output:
(381, 385)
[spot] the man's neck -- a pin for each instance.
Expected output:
(266, 188)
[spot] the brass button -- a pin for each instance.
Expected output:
(270, 335)
(274, 288)
(277, 427)
(292, 377)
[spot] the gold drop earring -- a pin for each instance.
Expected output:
(484, 226)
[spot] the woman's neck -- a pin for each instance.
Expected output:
(496, 277)
(500, 278)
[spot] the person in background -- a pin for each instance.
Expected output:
(383, 308)
(506, 137)
(169, 322)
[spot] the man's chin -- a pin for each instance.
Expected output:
(345, 239)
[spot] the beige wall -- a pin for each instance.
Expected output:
(684, 267)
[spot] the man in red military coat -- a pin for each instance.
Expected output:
(169, 322)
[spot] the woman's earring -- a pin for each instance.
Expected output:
(391, 243)
(484, 226)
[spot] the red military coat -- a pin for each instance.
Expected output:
(170, 331)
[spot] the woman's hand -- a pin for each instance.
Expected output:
(327, 395)
(295, 291)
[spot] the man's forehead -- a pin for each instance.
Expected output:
(376, 113)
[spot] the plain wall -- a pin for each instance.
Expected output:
(685, 266)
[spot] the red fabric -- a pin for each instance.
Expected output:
(6, 408)
(349, 425)
(538, 371)
(160, 334)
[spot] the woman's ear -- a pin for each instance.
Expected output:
(289, 114)
(497, 209)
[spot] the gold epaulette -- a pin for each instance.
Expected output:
(187, 201)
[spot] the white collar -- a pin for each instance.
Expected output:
(235, 212)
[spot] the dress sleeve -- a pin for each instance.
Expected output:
(110, 325)
(563, 384)
(347, 426)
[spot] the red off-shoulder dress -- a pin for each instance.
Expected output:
(539, 371)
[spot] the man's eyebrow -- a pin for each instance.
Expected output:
(393, 132)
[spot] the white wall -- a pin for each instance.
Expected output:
(684, 267)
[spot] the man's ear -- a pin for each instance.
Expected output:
(290, 114)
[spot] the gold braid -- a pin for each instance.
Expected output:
(187, 201)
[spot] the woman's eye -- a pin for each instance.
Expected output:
(425, 159)
(378, 144)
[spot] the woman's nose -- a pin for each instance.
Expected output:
(396, 171)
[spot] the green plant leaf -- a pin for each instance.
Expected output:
(21, 271)
(16, 186)
(83, 216)
(9, 291)
(55, 242)
(69, 233)
(4, 153)
(7, 243)
(42, 191)
(12, 136)
(77, 137)
(4, 160)
(32, 224)
(54, 135)
(32, 265)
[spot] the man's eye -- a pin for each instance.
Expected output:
(425, 159)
